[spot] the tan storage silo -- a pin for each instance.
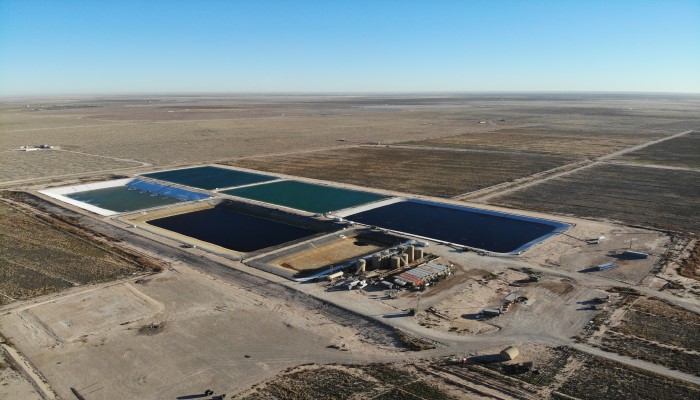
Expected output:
(418, 254)
(410, 250)
(510, 353)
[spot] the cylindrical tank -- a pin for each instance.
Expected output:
(510, 353)
(395, 262)
(404, 259)
(376, 261)
(361, 266)
(418, 254)
(386, 259)
(409, 250)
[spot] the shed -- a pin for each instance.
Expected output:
(510, 353)
(634, 255)
(491, 312)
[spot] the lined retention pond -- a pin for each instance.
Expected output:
(482, 229)
(122, 199)
(209, 177)
(232, 229)
(305, 196)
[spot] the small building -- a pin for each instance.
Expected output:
(510, 353)
(603, 267)
(634, 255)
(491, 312)
(423, 274)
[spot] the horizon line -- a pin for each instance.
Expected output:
(337, 93)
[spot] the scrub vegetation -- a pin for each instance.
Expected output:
(443, 173)
(376, 381)
(37, 257)
(660, 198)
(682, 151)
(601, 379)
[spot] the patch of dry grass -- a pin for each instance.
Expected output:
(661, 198)
(37, 258)
(421, 171)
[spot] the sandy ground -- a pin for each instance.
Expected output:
(212, 335)
(332, 253)
(13, 385)
(181, 331)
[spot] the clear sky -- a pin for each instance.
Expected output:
(124, 46)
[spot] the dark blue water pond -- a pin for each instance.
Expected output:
(482, 229)
(231, 229)
(209, 177)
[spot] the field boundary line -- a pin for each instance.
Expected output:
(597, 161)
(480, 193)
(458, 150)
(636, 363)
(658, 166)
(143, 163)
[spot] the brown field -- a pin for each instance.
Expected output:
(655, 331)
(683, 151)
(662, 198)
(376, 381)
(157, 131)
(574, 131)
(332, 253)
(442, 173)
(546, 139)
(18, 165)
(601, 379)
(661, 329)
(38, 259)
(212, 322)
(670, 357)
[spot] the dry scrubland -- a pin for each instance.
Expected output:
(18, 165)
(170, 132)
(662, 198)
(521, 136)
(37, 258)
(683, 151)
(571, 130)
(657, 332)
(557, 139)
(422, 171)
(376, 381)
(596, 378)
(182, 130)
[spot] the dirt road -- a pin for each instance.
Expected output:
(597, 161)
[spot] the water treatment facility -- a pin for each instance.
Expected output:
(310, 230)
(241, 212)
(162, 277)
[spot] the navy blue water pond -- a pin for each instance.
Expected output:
(232, 229)
(482, 229)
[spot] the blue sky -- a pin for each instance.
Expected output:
(86, 47)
